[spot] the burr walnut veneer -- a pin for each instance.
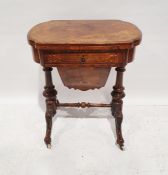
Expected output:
(84, 51)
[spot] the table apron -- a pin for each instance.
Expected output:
(111, 59)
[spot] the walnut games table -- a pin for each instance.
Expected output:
(84, 51)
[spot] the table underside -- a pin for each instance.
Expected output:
(84, 70)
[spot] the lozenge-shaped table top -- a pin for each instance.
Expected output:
(96, 32)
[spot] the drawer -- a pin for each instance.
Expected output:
(85, 58)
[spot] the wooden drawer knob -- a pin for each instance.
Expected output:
(82, 60)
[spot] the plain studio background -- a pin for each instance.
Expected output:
(78, 150)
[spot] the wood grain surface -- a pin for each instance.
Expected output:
(84, 32)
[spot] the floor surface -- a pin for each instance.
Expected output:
(83, 142)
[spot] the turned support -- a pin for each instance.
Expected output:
(82, 105)
(50, 94)
(117, 103)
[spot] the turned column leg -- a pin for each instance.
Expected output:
(118, 94)
(50, 94)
